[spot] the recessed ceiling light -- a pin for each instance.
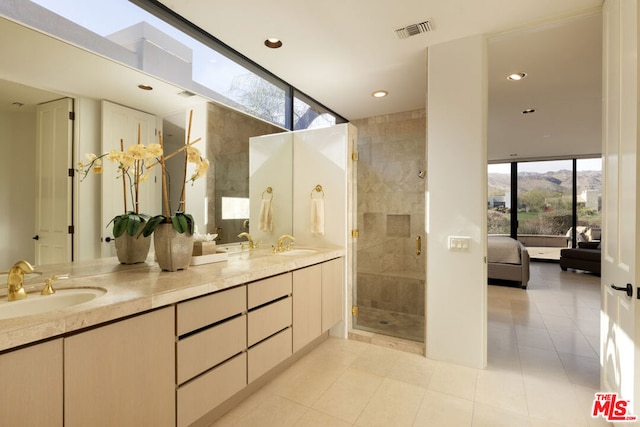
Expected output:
(273, 43)
(145, 87)
(516, 76)
(529, 111)
(380, 94)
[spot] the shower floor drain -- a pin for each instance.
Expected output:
(383, 322)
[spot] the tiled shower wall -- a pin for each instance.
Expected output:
(391, 212)
(228, 152)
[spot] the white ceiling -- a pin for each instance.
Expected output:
(340, 52)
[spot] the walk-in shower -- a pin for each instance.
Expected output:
(389, 293)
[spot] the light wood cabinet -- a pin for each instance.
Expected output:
(307, 307)
(31, 385)
(203, 394)
(332, 293)
(268, 354)
(268, 324)
(211, 352)
(122, 374)
(174, 365)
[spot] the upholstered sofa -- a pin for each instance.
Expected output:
(585, 257)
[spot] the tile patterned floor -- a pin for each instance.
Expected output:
(542, 371)
(402, 325)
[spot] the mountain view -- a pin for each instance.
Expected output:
(553, 182)
(545, 201)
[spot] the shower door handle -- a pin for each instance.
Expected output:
(418, 245)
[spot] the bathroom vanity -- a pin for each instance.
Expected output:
(160, 348)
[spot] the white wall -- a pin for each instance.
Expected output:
(17, 187)
(88, 201)
(270, 160)
(456, 201)
(320, 157)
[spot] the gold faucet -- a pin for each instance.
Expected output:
(15, 280)
(249, 239)
(281, 243)
(48, 284)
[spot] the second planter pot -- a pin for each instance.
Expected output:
(173, 249)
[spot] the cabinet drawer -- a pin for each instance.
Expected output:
(268, 354)
(203, 311)
(203, 394)
(263, 291)
(204, 350)
(268, 320)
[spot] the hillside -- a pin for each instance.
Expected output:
(558, 181)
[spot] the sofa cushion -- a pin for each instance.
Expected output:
(589, 245)
(581, 253)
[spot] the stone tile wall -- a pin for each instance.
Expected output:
(228, 152)
(391, 211)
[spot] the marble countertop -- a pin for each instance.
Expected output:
(133, 289)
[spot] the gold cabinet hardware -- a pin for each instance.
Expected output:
(354, 310)
(418, 245)
(354, 156)
(355, 233)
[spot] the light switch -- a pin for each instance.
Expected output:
(459, 243)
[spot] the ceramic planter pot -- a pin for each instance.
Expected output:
(173, 250)
(132, 249)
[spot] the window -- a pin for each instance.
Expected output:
(189, 57)
(235, 208)
(557, 201)
(499, 203)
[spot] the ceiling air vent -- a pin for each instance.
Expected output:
(413, 30)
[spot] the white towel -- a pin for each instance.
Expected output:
(317, 217)
(266, 215)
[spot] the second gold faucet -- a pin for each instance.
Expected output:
(252, 245)
(280, 247)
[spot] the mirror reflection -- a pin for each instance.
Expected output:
(43, 72)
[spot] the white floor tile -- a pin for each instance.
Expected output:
(543, 370)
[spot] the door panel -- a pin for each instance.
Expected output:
(53, 193)
(619, 318)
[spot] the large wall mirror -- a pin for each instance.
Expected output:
(38, 69)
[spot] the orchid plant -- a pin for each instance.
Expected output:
(134, 165)
(181, 220)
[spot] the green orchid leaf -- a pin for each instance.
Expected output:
(179, 223)
(120, 224)
(151, 225)
(134, 223)
(192, 223)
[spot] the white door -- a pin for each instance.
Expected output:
(620, 315)
(54, 132)
(118, 123)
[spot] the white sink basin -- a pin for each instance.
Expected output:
(298, 252)
(36, 303)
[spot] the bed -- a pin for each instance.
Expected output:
(507, 259)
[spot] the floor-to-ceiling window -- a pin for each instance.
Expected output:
(499, 203)
(544, 207)
(556, 204)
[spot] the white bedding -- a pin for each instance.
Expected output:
(503, 250)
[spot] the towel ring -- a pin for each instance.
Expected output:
(268, 190)
(318, 189)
